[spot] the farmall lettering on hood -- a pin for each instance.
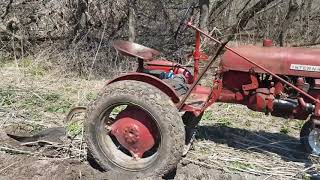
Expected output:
(280, 60)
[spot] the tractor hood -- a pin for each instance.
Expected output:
(282, 61)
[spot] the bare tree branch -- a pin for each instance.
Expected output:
(204, 14)
(6, 12)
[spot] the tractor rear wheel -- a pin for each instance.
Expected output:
(310, 137)
(133, 130)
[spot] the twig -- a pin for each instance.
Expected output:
(16, 151)
(256, 172)
(95, 57)
(14, 54)
(39, 142)
(267, 177)
(82, 134)
(6, 12)
(9, 166)
(306, 44)
(306, 169)
(37, 95)
(272, 6)
(201, 163)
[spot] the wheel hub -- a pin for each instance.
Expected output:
(131, 134)
(134, 131)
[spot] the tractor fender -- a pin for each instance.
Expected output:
(162, 86)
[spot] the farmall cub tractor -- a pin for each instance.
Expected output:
(143, 122)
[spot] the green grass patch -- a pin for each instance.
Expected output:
(32, 101)
(299, 124)
(248, 123)
(4, 59)
(34, 115)
(7, 97)
(31, 68)
(49, 102)
(306, 177)
(224, 122)
(285, 129)
(91, 96)
(207, 116)
(242, 165)
(255, 114)
(56, 103)
(36, 128)
(74, 128)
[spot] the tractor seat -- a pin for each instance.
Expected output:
(128, 48)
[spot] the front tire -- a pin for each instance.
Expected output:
(161, 118)
(310, 137)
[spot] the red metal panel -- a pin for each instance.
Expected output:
(253, 85)
(267, 43)
(150, 80)
(162, 65)
(276, 59)
(227, 96)
(234, 80)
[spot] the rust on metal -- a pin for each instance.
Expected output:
(135, 50)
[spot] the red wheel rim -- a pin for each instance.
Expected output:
(134, 131)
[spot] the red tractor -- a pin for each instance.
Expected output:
(143, 122)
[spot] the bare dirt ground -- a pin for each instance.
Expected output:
(232, 142)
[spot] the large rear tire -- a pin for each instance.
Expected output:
(161, 118)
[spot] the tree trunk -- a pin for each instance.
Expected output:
(131, 24)
(81, 20)
(307, 17)
(244, 7)
(289, 19)
(220, 6)
(204, 14)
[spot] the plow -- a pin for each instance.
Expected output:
(144, 122)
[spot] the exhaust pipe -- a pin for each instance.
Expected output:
(285, 108)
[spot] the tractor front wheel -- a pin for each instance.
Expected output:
(310, 137)
(133, 130)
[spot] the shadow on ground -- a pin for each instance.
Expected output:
(288, 147)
